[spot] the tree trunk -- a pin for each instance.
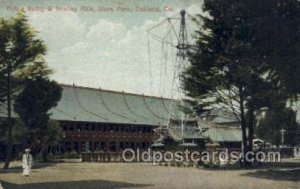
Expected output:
(250, 126)
(243, 127)
(45, 154)
(9, 145)
(9, 120)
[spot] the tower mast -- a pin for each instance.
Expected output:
(183, 39)
(182, 48)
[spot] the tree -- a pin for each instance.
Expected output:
(2, 86)
(276, 39)
(19, 47)
(32, 105)
(278, 121)
(232, 68)
(52, 136)
(3, 40)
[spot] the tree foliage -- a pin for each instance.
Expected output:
(19, 48)
(277, 122)
(19, 44)
(240, 62)
(33, 105)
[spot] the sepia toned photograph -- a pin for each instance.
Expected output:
(149, 94)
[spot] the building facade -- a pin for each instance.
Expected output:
(96, 120)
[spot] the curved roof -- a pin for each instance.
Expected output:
(220, 116)
(97, 105)
(224, 134)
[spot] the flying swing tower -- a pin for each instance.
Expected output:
(182, 131)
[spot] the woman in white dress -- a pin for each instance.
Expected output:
(27, 163)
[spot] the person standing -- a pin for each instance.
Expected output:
(27, 162)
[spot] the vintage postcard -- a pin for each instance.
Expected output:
(149, 94)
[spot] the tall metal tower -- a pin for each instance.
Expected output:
(177, 121)
(182, 37)
(176, 37)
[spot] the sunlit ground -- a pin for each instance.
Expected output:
(137, 175)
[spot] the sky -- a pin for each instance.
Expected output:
(91, 46)
(110, 50)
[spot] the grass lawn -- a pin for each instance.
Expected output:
(138, 175)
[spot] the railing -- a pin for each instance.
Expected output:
(88, 134)
(103, 157)
(116, 157)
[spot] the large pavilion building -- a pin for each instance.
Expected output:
(97, 120)
(103, 120)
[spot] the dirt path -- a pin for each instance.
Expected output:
(132, 175)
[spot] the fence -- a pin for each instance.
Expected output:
(103, 157)
(117, 156)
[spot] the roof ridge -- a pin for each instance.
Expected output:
(113, 91)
